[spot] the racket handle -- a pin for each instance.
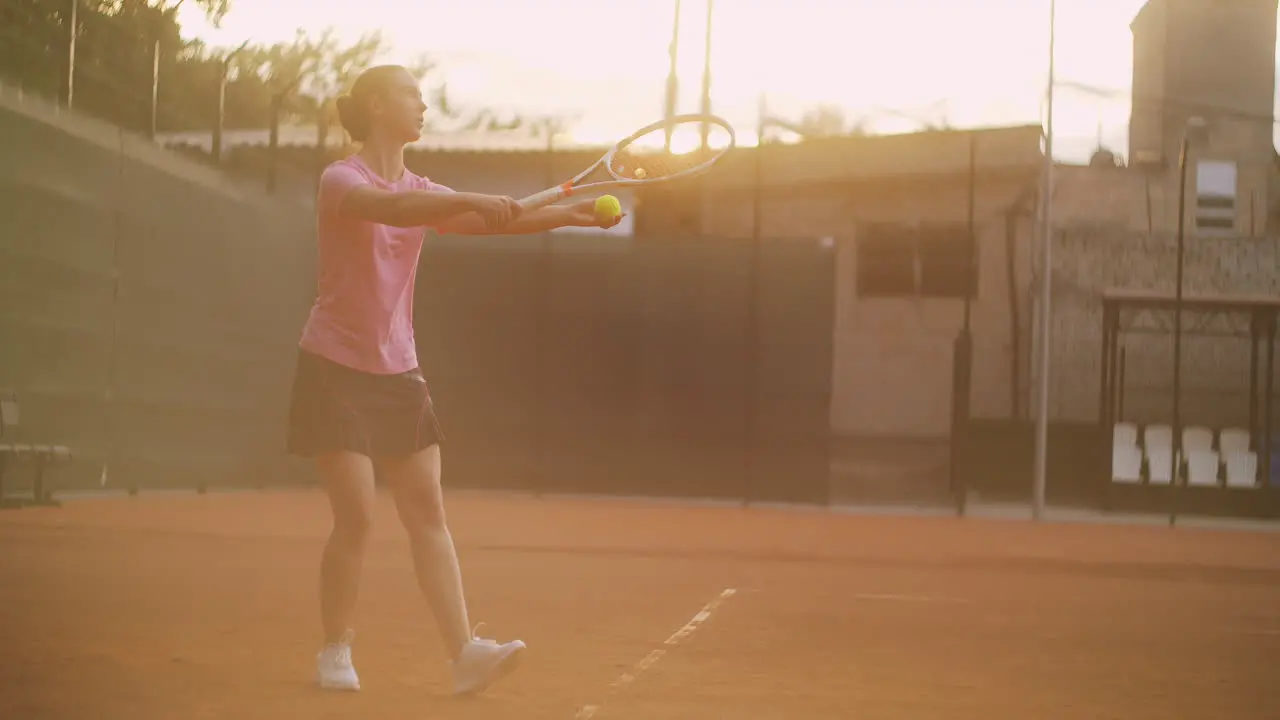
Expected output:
(544, 198)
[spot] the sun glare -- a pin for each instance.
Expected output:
(684, 140)
(930, 60)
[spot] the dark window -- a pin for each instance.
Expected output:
(1216, 202)
(1210, 222)
(1216, 212)
(946, 269)
(902, 261)
(886, 257)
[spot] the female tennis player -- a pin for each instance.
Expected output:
(359, 400)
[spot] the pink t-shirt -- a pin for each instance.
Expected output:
(363, 313)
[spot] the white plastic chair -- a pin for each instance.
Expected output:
(1124, 434)
(1159, 468)
(1202, 468)
(1242, 469)
(1232, 440)
(1126, 464)
(1196, 437)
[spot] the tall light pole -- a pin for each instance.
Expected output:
(1046, 265)
(71, 52)
(706, 78)
(1195, 129)
(155, 84)
(753, 308)
(673, 83)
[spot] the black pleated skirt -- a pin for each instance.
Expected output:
(336, 408)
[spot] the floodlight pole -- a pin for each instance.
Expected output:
(753, 308)
(673, 87)
(1193, 125)
(706, 78)
(71, 52)
(1046, 317)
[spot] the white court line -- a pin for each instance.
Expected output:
(624, 680)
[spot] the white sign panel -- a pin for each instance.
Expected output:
(1215, 206)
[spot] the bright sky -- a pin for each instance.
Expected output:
(974, 62)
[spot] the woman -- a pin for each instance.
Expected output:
(359, 400)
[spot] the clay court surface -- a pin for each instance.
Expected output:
(185, 607)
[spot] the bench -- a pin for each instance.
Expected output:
(13, 452)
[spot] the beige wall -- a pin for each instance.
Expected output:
(1147, 200)
(1146, 123)
(1102, 241)
(892, 363)
(1214, 61)
(891, 370)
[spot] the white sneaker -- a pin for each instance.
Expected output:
(334, 670)
(483, 661)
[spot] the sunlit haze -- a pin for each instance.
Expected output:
(893, 65)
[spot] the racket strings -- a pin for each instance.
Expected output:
(656, 164)
(645, 158)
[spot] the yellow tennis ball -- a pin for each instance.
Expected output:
(640, 173)
(607, 208)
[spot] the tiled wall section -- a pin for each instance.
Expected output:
(1215, 369)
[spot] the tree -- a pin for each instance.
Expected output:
(826, 120)
(116, 48)
(822, 121)
(215, 10)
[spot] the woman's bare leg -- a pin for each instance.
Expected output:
(415, 483)
(348, 481)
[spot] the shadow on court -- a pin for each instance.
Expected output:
(204, 607)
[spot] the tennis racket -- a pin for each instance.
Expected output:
(639, 159)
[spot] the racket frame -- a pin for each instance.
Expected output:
(571, 187)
